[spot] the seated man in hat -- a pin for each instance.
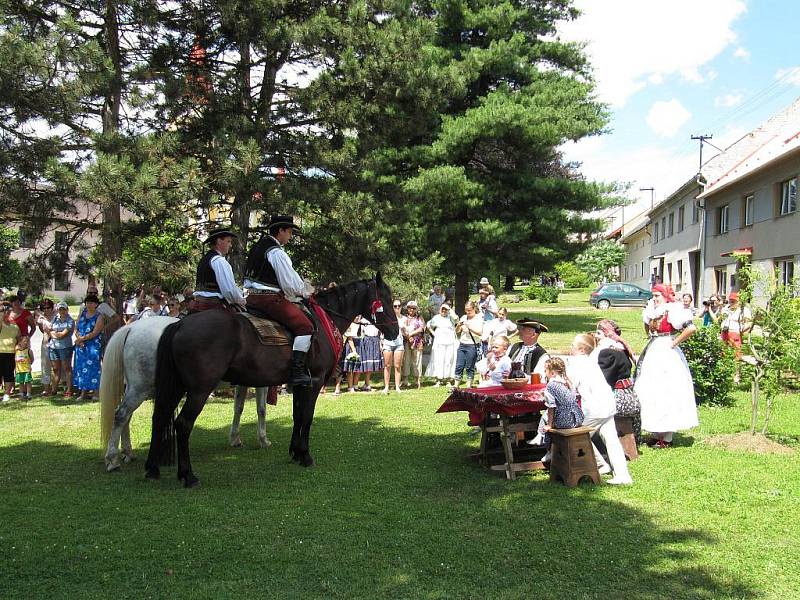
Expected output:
(275, 288)
(528, 351)
(215, 285)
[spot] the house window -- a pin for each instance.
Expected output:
(681, 218)
(747, 209)
(60, 243)
(663, 227)
(669, 273)
(695, 212)
(27, 237)
(789, 196)
(721, 278)
(679, 276)
(671, 224)
(722, 219)
(655, 233)
(785, 270)
(61, 283)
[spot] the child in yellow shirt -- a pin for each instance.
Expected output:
(22, 360)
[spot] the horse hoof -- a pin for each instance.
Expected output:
(265, 443)
(237, 443)
(127, 458)
(112, 466)
(152, 474)
(190, 482)
(307, 461)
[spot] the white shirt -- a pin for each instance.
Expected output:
(539, 367)
(597, 397)
(496, 327)
(736, 320)
(227, 286)
(291, 283)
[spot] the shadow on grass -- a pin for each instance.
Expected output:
(387, 512)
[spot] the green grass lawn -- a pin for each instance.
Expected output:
(394, 508)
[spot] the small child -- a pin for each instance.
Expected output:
(22, 359)
(563, 411)
(497, 365)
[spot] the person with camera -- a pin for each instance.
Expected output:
(712, 309)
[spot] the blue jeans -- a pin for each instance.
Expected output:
(466, 356)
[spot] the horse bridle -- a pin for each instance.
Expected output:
(375, 308)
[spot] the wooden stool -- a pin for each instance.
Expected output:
(627, 437)
(572, 457)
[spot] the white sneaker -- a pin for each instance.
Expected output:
(620, 480)
(604, 470)
(6, 397)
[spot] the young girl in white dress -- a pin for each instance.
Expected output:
(496, 366)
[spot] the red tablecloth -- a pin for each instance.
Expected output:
(499, 400)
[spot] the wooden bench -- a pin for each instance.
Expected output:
(572, 457)
(627, 437)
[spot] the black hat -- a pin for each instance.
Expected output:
(282, 221)
(219, 232)
(532, 323)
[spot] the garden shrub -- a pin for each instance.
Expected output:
(532, 291)
(547, 295)
(712, 365)
(71, 300)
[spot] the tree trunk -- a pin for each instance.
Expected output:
(240, 222)
(509, 284)
(111, 238)
(754, 400)
(462, 293)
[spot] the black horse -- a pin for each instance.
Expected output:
(198, 352)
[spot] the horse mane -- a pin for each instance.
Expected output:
(336, 297)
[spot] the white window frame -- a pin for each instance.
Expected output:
(723, 219)
(785, 270)
(788, 196)
(681, 218)
(671, 224)
(721, 280)
(749, 209)
(655, 232)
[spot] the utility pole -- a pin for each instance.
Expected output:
(652, 194)
(704, 139)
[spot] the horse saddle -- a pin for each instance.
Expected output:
(270, 333)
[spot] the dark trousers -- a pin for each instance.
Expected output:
(466, 357)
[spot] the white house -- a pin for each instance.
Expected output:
(635, 237)
(676, 227)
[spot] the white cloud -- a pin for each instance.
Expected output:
(633, 42)
(666, 118)
(792, 75)
(742, 52)
(728, 100)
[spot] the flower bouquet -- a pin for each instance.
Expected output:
(353, 357)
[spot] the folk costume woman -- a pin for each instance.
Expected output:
(87, 349)
(663, 380)
(370, 352)
(442, 362)
(615, 358)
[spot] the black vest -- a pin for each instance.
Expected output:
(206, 280)
(531, 358)
(615, 365)
(258, 268)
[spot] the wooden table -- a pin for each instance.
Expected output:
(507, 405)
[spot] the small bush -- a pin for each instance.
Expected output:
(712, 364)
(71, 300)
(547, 295)
(532, 291)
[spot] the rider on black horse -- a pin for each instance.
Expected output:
(214, 286)
(275, 288)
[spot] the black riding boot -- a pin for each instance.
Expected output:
(298, 375)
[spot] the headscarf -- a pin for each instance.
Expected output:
(611, 330)
(665, 291)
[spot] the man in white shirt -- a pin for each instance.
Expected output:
(275, 288)
(528, 351)
(215, 285)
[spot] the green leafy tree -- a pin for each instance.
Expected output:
(711, 362)
(10, 269)
(492, 189)
(572, 275)
(600, 260)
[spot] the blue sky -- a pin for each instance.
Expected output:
(669, 70)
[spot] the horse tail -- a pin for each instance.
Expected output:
(169, 390)
(112, 383)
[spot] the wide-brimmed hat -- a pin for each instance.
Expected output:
(282, 221)
(532, 323)
(219, 232)
(484, 281)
